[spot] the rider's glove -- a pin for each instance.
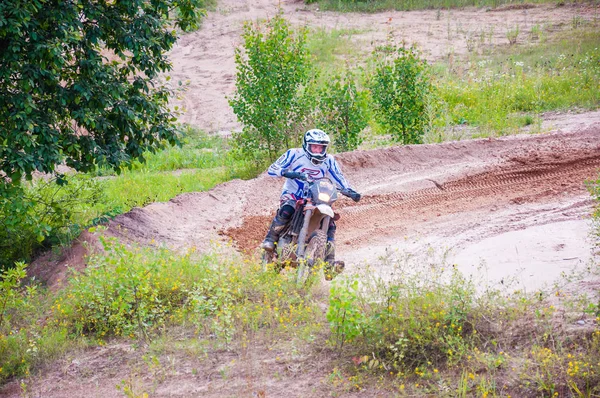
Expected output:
(352, 194)
(295, 175)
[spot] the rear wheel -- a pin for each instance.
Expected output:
(314, 253)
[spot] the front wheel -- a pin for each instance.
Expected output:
(315, 252)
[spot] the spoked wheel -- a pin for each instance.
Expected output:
(315, 251)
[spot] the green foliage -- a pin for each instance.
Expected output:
(342, 111)
(139, 292)
(345, 315)
(401, 88)
(198, 165)
(142, 293)
(24, 342)
(10, 282)
(329, 47)
(412, 321)
(43, 214)
(272, 70)
(499, 94)
(201, 7)
(78, 82)
(126, 292)
(198, 150)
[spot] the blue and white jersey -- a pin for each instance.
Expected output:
(296, 160)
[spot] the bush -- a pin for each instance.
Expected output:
(271, 72)
(414, 321)
(126, 292)
(43, 213)
(342, 111)
(24, 340)
(400, 88)
(139, 292)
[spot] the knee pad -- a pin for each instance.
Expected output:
(286, 212)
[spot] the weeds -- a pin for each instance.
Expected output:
(381, 5)
(424, 330)
(500, 95)
(24, 342)
(430, 329)
(407, 326)
(512, 35)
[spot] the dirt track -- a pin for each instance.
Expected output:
(459, 192)
(453, 195)
(456, 195)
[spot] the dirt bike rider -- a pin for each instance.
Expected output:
(297, 165)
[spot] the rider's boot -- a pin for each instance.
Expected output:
(332, 267)
(277, 225)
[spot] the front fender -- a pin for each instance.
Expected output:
(325, 209)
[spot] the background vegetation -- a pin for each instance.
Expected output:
(272, 72)
(42, 214)
(407, 5)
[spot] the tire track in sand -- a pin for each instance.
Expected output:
(388, 214)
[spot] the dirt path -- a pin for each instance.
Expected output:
(452, 195)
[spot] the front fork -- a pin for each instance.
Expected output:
(302, 235)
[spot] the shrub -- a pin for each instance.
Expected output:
(271, 72)
(400, 88)
(342, 111)
(43, 213)
(413, 321)
(24, 340)
(136, 292)
(126, 292)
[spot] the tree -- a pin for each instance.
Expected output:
(78, 82)
(400, 89)
(272, 70)
(342, 111)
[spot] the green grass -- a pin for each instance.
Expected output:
(503, 93)
(49, 215)
(407, 5)
(490, 95)
(331, 47)
(198, 165)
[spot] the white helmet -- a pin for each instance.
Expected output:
(315, 137)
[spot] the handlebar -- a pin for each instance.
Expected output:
(295, 175)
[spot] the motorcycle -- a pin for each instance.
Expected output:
(303, 242)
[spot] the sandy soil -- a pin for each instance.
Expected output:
(518, 204)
